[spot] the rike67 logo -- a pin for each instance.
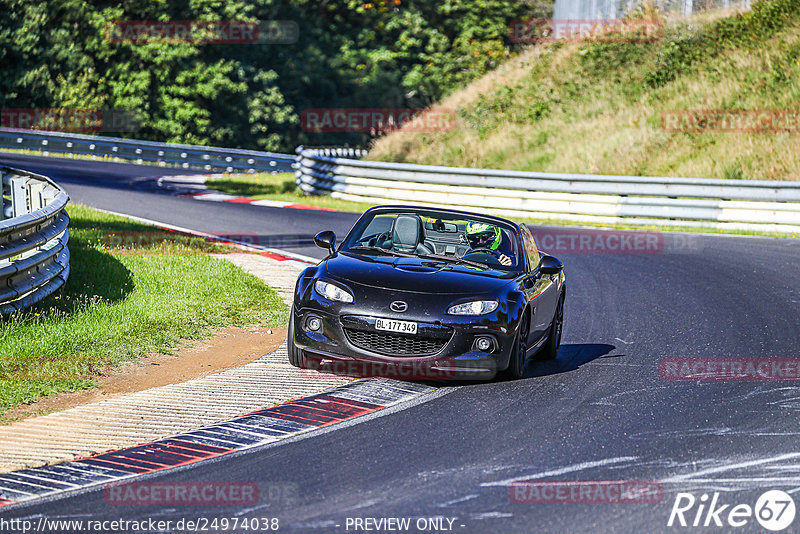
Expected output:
(774, 510)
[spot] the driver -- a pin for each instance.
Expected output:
(487, 237)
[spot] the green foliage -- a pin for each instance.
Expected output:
(686, 46)
(124, 298)
(637, 67)
(601, 106)
(361, 54)
(733, 171)
(489, 109)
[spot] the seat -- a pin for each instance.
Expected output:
(408, 235)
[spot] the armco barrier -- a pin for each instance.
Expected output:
(184, 156)
(34, 258)
(754, 205)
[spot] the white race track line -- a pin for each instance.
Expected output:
(730, 467)
(563, 470)
(245, 246)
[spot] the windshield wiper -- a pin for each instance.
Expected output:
(363, 248)
(453, 259)
(449, 259)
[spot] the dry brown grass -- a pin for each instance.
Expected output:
(606, 132)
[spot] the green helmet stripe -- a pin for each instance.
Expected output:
(497, 240)
(477, 228)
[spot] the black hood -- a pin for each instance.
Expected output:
(415, 274)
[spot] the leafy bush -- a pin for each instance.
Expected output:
(350, 53)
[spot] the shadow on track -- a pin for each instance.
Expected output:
(570, 357)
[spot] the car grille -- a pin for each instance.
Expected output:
(394, 344)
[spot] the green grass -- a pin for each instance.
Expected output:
(259, 185)
(596, 107)
(133, 290)
(282, 187)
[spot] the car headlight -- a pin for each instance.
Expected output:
(332, 292)
(476, 307)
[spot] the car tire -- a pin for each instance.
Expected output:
(550, 349)
(295, 355)
(516, 363)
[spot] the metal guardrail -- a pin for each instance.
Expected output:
(34, 258)
(184, 156)
(755, 205)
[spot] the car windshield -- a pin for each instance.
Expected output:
(469, 240)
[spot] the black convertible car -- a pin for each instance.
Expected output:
(428, 293)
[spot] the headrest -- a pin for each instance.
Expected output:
(407, 232)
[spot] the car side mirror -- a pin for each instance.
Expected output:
(326, 239)
(550, 265)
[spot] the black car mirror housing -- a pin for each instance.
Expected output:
(326, 240)
(550, 265)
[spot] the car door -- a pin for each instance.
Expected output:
(540, 290)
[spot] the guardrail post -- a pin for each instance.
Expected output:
(34, 257)
(5, 208)
(19, 196)
(35, 196)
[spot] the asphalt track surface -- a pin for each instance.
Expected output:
(600, 412)
(121, 188)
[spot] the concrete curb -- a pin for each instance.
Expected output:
(194, 186)
(152, 414)
(225, 197)
(252, 430)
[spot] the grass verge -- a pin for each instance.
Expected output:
(598, 107)
(281, 187)
(133, 290)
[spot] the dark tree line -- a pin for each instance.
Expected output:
(348, 54)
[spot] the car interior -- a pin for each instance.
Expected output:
(409, 233)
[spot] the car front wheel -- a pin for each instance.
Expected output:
(295, 355)
(550, 349)
(516, 363)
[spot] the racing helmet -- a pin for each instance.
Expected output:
(482, 235)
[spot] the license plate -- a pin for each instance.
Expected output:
(390, 325)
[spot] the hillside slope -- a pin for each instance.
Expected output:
(597, 107)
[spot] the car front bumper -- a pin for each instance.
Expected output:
(348, 343)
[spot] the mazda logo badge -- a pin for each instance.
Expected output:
(398, 306)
